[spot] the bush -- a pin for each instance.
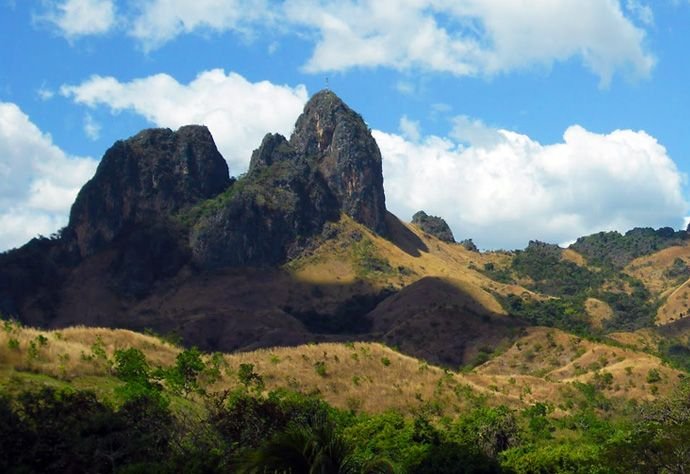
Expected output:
(653, 376)
(183, 377)
(320, 368)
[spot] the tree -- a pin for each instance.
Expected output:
(309, 449)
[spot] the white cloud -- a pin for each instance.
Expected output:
(409, 128)
(506, 193)
(468, 37)
(40, 181)
(238, 112)
(641, 11)
(159, 21)
(471, 37)
(92, 129)
(75, 18)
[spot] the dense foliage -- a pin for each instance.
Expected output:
(251, 431)
(612, 248)
(571, 284)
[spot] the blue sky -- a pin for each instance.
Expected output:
(513, 120)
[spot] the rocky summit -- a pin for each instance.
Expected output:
(340, 143)
(162, 211)
(156, 172)
(330, 165)
(433, 225)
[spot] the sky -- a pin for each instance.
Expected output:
(513, 120)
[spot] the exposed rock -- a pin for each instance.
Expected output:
(156, 172)
(433, 225)
(338, 140)
(266, 218)
(274, 148)
(330, 165)
(469, 245)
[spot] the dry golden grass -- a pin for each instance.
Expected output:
(369, 377)
(651, 269)
(333, 263)
(363, 376)
(69, 352)
(598, 311)
(571, 255)
(557, 358)
(642, 339)
(676, 306)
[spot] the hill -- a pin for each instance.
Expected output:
(301, 249)
(542, 366)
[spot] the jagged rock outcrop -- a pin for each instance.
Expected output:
(469, 245)
(162, 210)
(156, 172)
(266, 216)
(274, 148)
(336, 138)
(330, 165)
(433, 225)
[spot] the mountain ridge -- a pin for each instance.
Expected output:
(302, 249)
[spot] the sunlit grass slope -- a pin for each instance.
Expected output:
(544, 365)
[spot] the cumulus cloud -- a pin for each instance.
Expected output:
(74, 18)
(471, 37)
(40, 181)
(159, 21)
(505, 193)
(92, 129)
(237, 112)
(468, 37)
(641, 11)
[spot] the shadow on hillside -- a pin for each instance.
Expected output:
(677, 328)
(249, 308)
(434, 320)
(404, 238)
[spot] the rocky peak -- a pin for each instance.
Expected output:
(153, 173)
(433, 225)
(338, 140)
(274, 148)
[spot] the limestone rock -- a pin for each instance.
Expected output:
(433, 225)
(336, 138)
(156, 172)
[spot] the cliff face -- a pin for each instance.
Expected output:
(156, 172)
(162, 217)
(330, 165)
(338, 140)
(267, 217)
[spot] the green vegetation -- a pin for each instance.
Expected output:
(367, 261)
(679, 271)
(501, 275)
(616, 250)
(167, 419)
(551, 274)
(571, 285)
(563, 313)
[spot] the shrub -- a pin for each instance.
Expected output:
(653, 376)
(320, 368)
(131, 365)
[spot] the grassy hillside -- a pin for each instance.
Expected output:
(543, 365)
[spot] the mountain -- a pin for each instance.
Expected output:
(319, 304)
(302, 249)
